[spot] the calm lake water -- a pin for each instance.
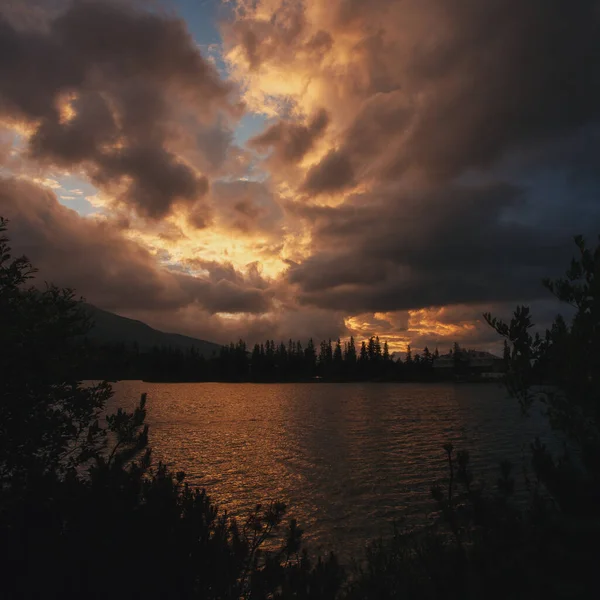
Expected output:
(348, 459)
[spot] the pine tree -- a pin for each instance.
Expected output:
(325, 357)
(364, 355)
(337, 353)
(377, 349)
(256, 362)
(386, 352)
(310, 355)
(371, 349)
(427, 358)
(351, 355)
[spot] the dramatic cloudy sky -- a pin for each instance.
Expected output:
(296, 168)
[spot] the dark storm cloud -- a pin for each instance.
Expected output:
(226, 296)
(427, 107)
(127, 72)
(404, 251)
(449, 85)
(157, 178)
(509, 73)
(470, 128)
(333, 173)
(291, 141)
(105, 267)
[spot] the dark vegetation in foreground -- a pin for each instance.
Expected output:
(85, 514)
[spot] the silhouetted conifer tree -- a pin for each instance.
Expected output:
(311, 358)
(337, 362)
(351, 355)
(386, 352)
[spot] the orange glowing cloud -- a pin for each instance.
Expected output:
(378, 198)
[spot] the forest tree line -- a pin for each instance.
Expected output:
(265, 362)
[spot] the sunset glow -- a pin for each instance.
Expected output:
(291, 169)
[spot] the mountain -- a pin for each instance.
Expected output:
(111, 328)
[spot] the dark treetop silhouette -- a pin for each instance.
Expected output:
(271, 362)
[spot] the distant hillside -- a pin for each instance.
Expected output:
(111, 328)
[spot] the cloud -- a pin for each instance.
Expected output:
(333, 173)
(439, 247)
(430, 86)
(210, 299)
(117, 86)
(6, 143)
(214, 299)
(107, 268)
(278, 325)
(460, 137)
(225, 296)
(291, 141)
(32, 13)
(422, 160)
(247, 208)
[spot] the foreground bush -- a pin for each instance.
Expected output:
(130, 534)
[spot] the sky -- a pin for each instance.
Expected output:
(294, 168)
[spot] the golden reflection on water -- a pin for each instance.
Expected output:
(348, 459)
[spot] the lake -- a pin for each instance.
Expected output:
(347, 459)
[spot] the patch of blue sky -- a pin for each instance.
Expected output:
(74, 193)
(201, 17)
(250, 124)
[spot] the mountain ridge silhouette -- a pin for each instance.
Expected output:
(112, 328)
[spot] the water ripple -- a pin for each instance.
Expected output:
(348, 459)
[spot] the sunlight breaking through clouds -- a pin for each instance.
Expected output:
(298, 168)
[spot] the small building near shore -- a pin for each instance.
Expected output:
(471, 364)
